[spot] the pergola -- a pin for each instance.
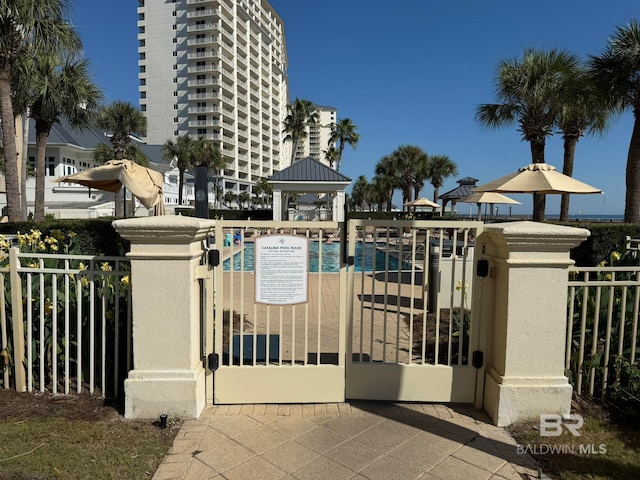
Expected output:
(308, 176)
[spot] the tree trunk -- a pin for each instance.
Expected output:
(570, 143)
(24, 170)
(12, 182)
(41, 145)
(632, 199)
(539, 199)
(180, 185)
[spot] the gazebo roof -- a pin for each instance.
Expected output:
(464, 189)
(308, 170)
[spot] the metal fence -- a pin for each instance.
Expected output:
(65, 323)
(602, 325)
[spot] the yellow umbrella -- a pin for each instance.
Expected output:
(143, 183)
(537, 178)
(422, 202)
(490, 198)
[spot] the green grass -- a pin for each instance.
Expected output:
(620, 460)
(56, 448)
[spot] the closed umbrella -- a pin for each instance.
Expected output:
(143, 183)
(489, 198)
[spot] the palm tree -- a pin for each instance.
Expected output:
(584, 112)
(229, 198)
(121, 120)
(380, 192)
(386, 178)
(261, 189)
(180, 151)
(440, 167)
(244, 198)
(359, 192)
(617, 74)
(31, 28)
(407, 161)
(342, 133)
(300, 115)
(54, 91)
(528, 90)
(331, 155)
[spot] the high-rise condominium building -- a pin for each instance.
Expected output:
(216, 69)
(316, 142)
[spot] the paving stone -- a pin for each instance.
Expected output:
(455, 469)
(225, 455)
(292, 426)
(290, 456)
(261, 439)
(386, 467)
(323, 469)
(320, 439)
(255, 469)
(350, 426)
(353, 455)
(234, 425)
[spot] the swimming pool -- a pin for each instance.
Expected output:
(330, 258)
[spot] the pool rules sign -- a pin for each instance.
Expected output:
(281, 269)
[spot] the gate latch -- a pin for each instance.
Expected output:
(477, 359)
(213, 361)
(213, 258)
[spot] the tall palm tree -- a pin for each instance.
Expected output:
(27, 28)
(617, 73)
(584, 111)
(180, 151)
(440, 167)
(300, 115)
(54, 91)
(528, 91)
(121, 120)
(342, 133)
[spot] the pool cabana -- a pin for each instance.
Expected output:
(308, 176)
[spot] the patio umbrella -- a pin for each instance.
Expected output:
(422, 202)
(537, 178)
(489, 198)
(143, 183)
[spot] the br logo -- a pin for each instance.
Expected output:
(553, 425)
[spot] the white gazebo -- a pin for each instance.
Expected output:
(308, 176)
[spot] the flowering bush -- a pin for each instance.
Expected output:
(81, 292)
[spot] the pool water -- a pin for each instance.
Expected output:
(330, 258)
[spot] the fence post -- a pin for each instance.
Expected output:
(523, 311)
(17, 321)
(168, 373)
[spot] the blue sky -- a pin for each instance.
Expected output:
(413, 72)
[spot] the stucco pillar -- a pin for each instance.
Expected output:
(524, 317)
(338, 206)
(168, 374)
(277, 205)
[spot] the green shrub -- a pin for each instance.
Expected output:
(624, 393)
(604, 239)
(94, 236)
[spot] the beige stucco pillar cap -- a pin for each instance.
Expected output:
(174, 229)
(528, 236)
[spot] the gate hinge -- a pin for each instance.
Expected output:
(477, 359)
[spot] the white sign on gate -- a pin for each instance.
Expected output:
(281, 269)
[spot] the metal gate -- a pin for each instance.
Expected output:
(387, 317)
(411, 330)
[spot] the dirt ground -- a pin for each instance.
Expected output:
(38, 405)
